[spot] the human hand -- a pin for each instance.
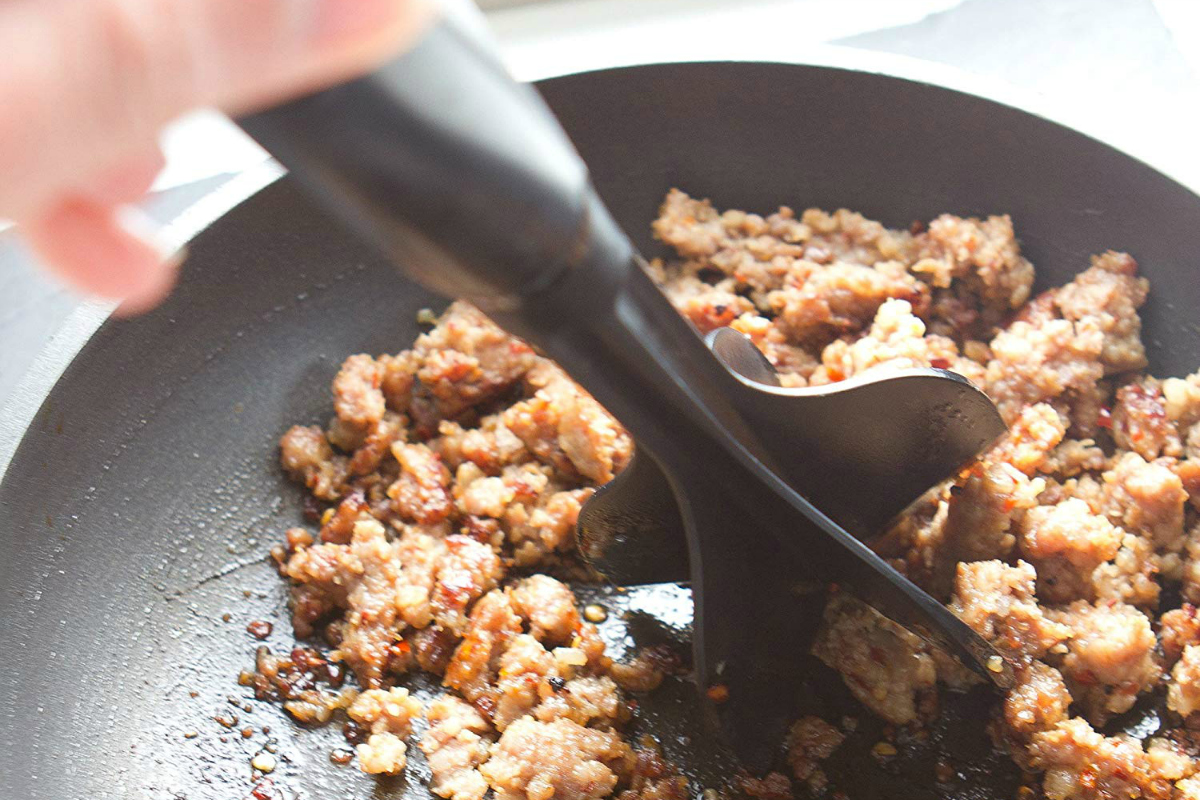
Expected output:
(86, 85)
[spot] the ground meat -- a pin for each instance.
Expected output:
(1181, 403)
(896, 340)
(654, 778)
(647, 669)
(549, 606)
(1052, 360)
(375, 446)
(810, 741)
(466, 360)
(357, 397)
(544, 528)
(526, 669)
(1146, 498)
(421, 493)
(1110, 657)
(1179, 628)
(1188, 471)
(464, 573)
(588, 700)
(566, 429)
(493, 624)
(338, 526)
(1183, 694)
(886, 667)
(304, 681)
(1073, 457)
(972, 518)
(1110, 294)
(1067, 340)
(1031, 440)
(1131, 577)
(1081, 764)
(490, 447)
(846, 235)
(1190, 571)
(307, 458)
(383, 585)
(432, 648)
(386, 711)
(820, 277)
(757, 253)
(698, 231)
(979, 519)
(1172, 757)
(1140, 423)
(397, 377)
(772, 786)
(449, 463)
(998, 602)
(979, 264)
(1037, 703)
(382, 754)
(839, 299)
(480, 495)
(536, 760)
(456, 743)
(1065, 543)
(705, 305)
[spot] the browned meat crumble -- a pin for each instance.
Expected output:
(452, 475)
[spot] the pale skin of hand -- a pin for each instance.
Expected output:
(86, 85)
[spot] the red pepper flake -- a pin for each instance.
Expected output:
(259, 629)
(265, 790)
(1104, 418)
(939, 363)
(718, 693)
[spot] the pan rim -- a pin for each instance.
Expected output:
(529, 63)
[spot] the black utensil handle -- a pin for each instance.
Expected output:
(460, 173)
(466, 180)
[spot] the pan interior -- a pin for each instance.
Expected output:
(140, 506)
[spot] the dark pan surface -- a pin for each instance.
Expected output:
(142, 501)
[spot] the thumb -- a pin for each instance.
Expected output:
(85, 83)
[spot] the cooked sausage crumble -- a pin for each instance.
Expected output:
(446, 488)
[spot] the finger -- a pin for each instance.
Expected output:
(103, 251)
(128, 181)
(84, 81)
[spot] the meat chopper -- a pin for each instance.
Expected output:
(761, 496)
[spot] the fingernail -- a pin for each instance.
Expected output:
(339, 20)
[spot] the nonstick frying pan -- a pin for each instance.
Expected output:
(139, 507)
